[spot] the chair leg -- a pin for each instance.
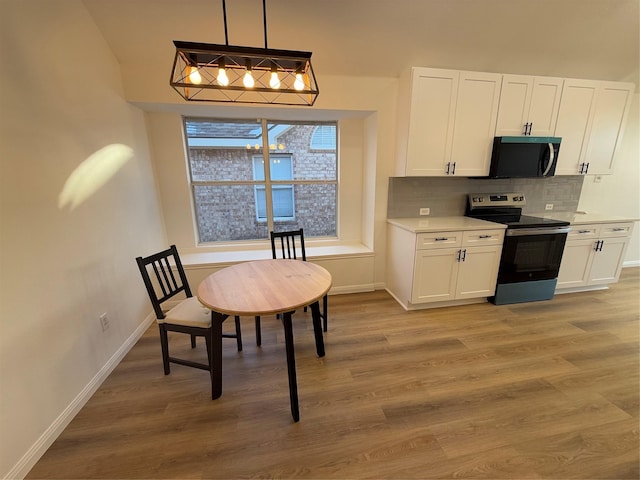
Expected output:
(258, 331)
(193, 341)
(291, 366)
(238, 333)
(207, 339)
(325, 313)
(164, 344)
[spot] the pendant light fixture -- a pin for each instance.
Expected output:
(228, 73)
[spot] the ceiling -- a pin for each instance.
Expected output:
(596, 39)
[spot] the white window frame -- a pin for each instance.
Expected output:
(267, 184)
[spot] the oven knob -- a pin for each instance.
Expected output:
(521, 198)
(516, 198)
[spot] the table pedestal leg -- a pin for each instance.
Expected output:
(291, 365)
(317, 328)
(216, 354)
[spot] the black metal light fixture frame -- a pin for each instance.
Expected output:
(283, 77)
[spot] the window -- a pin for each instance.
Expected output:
(283, 203)
(324, 138)
(242, 191)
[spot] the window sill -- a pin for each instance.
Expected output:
(230, 257)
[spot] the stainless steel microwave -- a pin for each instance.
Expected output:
(524, 157)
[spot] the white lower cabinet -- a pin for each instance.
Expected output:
(593, 255)
(443, 266)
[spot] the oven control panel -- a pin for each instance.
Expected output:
(477, 200)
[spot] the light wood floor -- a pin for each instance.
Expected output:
(537, 390)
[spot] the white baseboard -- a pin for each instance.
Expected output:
(38, 449)
(631, 263)
(367, 287)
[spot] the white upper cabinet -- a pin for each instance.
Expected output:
(590, 122)
(475, 123)
(528, 105)
(446, 122)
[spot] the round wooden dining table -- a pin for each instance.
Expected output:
(265, 287)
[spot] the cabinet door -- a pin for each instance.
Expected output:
(576, 262)
(545, 103)
(513, 110)
(475, 123)
(431, 120)
(573, 123)
(435, 272)
(609, 118)
(478, 272)
(607, 261)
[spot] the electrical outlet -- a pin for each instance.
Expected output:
(104, 322)
(425, 211)
(548, 206)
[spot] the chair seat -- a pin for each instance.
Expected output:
(189, 312)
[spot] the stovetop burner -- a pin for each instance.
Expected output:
(506, 208)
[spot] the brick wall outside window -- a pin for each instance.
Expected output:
(227, 212)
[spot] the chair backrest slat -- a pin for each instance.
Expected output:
(287, 244)
(166, 281)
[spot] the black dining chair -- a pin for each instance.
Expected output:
(188, 316)
(290, 245)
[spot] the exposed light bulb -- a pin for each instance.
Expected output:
(222, 77)
(272, 146)
(274, 81)
(280, 146)
(299, 83)
(194, 75)
(247, 80)
(248, 147)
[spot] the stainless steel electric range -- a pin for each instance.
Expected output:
(532, 248)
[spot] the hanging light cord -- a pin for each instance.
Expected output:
(264, 19)
(224, 15)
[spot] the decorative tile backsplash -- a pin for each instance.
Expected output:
(447, 196)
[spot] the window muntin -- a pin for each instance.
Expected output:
(280, 168)
(228, 182)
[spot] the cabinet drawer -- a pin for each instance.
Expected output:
(483, 237)
(438, 239)
(580, 232)
(616, 229)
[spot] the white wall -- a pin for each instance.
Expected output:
(61, 100)
(365, 108)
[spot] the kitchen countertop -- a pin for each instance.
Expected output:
(577, 218)
(443, 224)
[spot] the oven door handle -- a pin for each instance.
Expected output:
(519, 232)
